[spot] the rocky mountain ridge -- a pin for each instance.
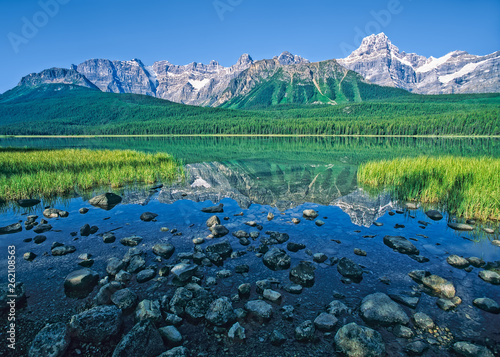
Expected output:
(382, 63)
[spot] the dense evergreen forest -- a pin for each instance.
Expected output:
(71, 110)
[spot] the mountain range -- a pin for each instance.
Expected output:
(287, 78)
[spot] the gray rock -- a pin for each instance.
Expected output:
(79, 283)
(490, 276)
(259, 309)
(293, 288)
(241, 234)
(85, 230)
(487, 305)
(16, 227)
(338, 308)
(476, 262)
(28, 202)
(179, 301)
(124, 299)
(197, 308)
(105, 201)
(219, 231)
(180, 351)
(416, 348)
(305, 331)
(220, 312)
(41, 228)
(448, 304)
(223, 249)
(439, 286)
(359, 341)
(123, 276)
(319, 222)
(83, 210)
(467, 349)
(347, 268)
(136, 264)
(423, 321)
(108, 237)
(29, 256)
(184, 272)
(51, 341)
(242, 269)
(244, 290)
(402, 332)
(224, 273)
(131, 241)
(54, 213)
(279, 237)
(143, 340)
(214, 209)
(236, 332)
(148, 310)
(103, 296)
(39, 239)
(170, 335)
(277, 338)
(408, 298)
(63, 250)
(460, 226)
(434, 215)
(272, 296)
(309, 214)
(401, 244)
(277, 259)
(303, 274)
(295, 247)
(148, 216)
(378, 308)
(325, 322)
(212, 221)
(320, 257)
(359, 252)
(457, 262)
(145, 275)
(114, 266)
(97, 324)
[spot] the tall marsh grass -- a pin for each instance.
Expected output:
(469, 187)
(44, 173)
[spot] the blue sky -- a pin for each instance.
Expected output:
(35, 35)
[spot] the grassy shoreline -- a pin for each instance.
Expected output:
(469, 187)
(32, 173)
(254, 135)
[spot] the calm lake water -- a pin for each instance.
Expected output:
(255, 176)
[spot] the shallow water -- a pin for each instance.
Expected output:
(251, 178)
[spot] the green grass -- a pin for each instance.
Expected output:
(469, 187)
(27, 173)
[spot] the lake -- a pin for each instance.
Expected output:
(252, 177)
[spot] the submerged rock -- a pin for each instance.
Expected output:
(132, 241)
(277, 259)
(219, 231)
(305, 331)
(183, 271)
(467, 349)
(164, 250)
(460, 226)
(439, 286)
(14, 228)
(490, 276)
(347, 268)
(303, 274)
(220, 312)
(378, 308)
(54, 213)
(28, 202)
(51, 341)
(148, 216)
(325, 322)
(434, 215)
(359, 341)
(41, 228)
(457, 262)
(487, 305)
(309, 214)
(214, 209)
(401, 244)
(259, 309)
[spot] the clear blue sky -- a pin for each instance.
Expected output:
(183, 31)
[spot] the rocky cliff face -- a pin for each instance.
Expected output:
(380, 62)
(56, 75)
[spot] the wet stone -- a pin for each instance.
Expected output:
(423, 321)
(136, 264)
(303, 274)
(490, 276)
(354, 340)
(401, 244)
(419, 258)
(148, 310)
(378, 308)
(97, 324)
(148, 216)
(145, 275)
(241, 269)
(295, 247)
(241, 234)
(320, 257)
(448, 304)
(85, 230)
(359, 252)
(244, 290)
(143, 340)
(236, 332)
(108, 238)
(80, 283)
(259, 309)
(29, 256)
(457, 262)
(408, 298)
(305, 331)
(184, 271)
(214, 209)
(51, 341)
(293, 288)
(277, 338)
(164, 250)
(170, 335)
(124, 299)
(41, 228)
(347, 268)
(222, 249)
(460, 226)
(325, 322)
(220, 312)
(272, 296)
(487, 305)
(131, 241)
(319, 222)
(39, 239)
(105, 201)
(467, 349)
(63, 250)
(434, 215)
(416, 348)
(309, 214)
(402, 332)
(439, 286)
(338, 308)
(277, 259)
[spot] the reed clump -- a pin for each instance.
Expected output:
(27, 173)
(469, 187)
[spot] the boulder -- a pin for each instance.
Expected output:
(80, 283)
(13, 228)
(184, 272)
(105, 201)
(359, 341)
(487, 305)
(347, 268)
(303, 274)
(97, 324)
(378, 308)
(401, 244)
(220, 312)
(51, 341)
(143, 340)
(124, 299)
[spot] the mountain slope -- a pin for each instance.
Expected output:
(268, 82)
(62, 109)
(382, 63)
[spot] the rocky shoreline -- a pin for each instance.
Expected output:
(201, 280)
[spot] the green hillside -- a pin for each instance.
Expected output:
(58, 109)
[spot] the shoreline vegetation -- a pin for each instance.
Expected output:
(32, 173)
(252, 135)
(469, 187)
